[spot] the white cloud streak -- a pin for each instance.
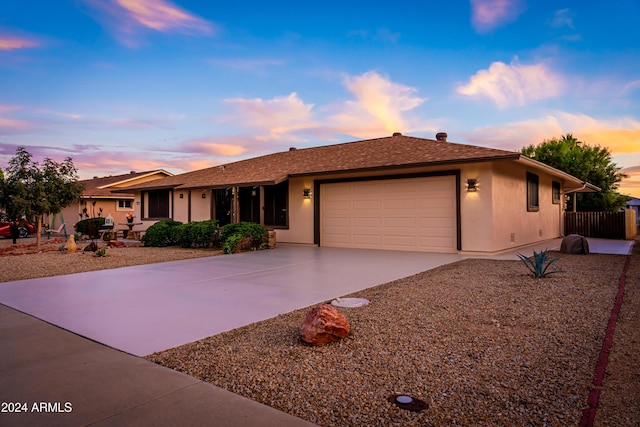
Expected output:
(513, 84)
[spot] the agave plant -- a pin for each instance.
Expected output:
(539, 264)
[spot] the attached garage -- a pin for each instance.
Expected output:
(409, 214)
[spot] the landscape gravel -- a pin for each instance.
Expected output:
(26, 261)
(481, 341)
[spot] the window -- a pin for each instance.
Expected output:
(125, 204)
(555, 192)
(249, 204)
(275, 204)
(532, 193)
(158, 203)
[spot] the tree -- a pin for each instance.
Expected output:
(28, 189)
(590, 164)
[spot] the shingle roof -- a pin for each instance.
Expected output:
(102, 187)
(380, 153)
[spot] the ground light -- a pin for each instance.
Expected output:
(407, 402)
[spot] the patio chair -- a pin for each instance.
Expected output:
(62, 229)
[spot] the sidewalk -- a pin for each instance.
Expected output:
(78, 382)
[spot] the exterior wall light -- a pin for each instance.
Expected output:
(306, 193)
(204, 195)
(472, 185)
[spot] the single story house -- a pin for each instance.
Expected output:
(397, 192)
(99, 200)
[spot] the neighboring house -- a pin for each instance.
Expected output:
(99, 200)
(634, 204)
(397, 192)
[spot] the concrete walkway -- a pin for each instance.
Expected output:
(61, 378)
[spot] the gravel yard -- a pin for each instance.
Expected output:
(480, 341)
(28, 262)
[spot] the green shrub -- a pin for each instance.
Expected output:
(539, 264)
(101, 252)
(199, 234)
(90, 227)
(162, 233)
(248, 235)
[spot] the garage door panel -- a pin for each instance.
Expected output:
(404, 203)
(400, 222)
(416, 214)
(367, 240)
(436, 242)
(366, 204)
(400, 241)
(341, 239)
(435, 203)
(367, 222)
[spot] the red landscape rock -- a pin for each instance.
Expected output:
(324, 324)
(116, 244)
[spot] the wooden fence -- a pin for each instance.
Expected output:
(605, 225)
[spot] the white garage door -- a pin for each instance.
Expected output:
(413, 214)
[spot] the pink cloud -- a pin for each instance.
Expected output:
(621, 135)
(631, 185)
(380, 106)
(214, 148)
(9, 124)
(13, 42)
(513, 84)
(490, 14)
(126, 17)
(278, 118)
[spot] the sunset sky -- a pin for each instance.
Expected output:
(121, 85)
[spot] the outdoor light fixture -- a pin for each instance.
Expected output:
(181, 195)
(472, 185)
(204, 195)
(306, 193)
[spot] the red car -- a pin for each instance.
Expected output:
(24, 229)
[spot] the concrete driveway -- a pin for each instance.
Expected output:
(150, 308)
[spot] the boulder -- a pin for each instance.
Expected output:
(92, 247)
(71, 246)
(324, 324)
(116, 244)
(574, 244)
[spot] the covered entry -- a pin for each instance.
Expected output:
(410, 214)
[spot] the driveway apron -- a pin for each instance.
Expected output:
(149, 308)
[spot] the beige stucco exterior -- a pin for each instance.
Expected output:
(495, 218)
(492, 219)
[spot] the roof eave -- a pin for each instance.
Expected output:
(579, 186)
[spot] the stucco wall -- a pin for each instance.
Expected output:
(513, 225)
(300, 214)
(181, 206)
(200, 208)
(476, 208)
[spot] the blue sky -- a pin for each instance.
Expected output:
(120, 85)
